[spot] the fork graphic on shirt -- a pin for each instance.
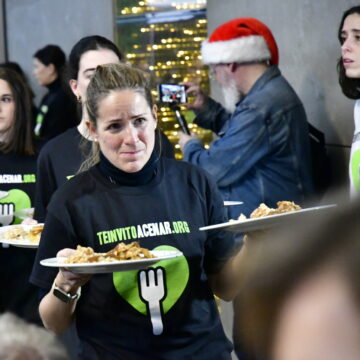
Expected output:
(152, 290)
(6, 213)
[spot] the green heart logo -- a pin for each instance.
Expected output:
(177, 276)
(19, 199)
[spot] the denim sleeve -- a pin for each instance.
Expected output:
(212, 117)
(229, 158)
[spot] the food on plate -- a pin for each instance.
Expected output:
(241, 217)
(35, 233)
(282, 207)
(263, 210)
(122, 251)
(16, 232)
(19, 232)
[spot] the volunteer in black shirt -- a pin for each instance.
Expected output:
(56, 112)
(17, 191)
(61, 157)
(130, 193)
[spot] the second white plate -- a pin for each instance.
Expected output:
(243, 226)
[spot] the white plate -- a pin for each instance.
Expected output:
(18, 243)
(232, 203)
(243, 226)
(101, 268)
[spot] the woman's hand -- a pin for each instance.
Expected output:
(196, 91)
(29, 221)
(67, 280)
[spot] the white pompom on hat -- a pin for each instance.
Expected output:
(240, 40)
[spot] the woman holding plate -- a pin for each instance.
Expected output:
(130, 193)
(17, 191)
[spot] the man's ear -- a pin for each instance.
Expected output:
(232, 67)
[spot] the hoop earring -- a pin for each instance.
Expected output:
(78, 99)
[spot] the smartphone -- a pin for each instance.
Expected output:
(172, 93)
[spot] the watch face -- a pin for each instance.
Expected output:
(63, 296)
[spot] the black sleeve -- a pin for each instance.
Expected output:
(60, 117)
(41, 293)
(220, 245)
(45, 185)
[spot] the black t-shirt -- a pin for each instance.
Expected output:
(59, 160)
(112, 320)
(17, 190)
(56, 113)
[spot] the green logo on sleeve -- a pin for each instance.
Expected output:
(176, 275)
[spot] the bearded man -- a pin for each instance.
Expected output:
(261, 153)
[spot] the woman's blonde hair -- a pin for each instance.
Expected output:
(108, 78)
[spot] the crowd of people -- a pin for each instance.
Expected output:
(91, 159)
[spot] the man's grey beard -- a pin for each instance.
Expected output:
(231, 96)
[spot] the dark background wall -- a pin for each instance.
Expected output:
(32, 24)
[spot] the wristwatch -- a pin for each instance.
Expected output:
(63, 295)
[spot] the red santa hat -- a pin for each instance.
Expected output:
(240, 40)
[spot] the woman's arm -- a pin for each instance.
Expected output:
(56, 314)
(226, 283)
